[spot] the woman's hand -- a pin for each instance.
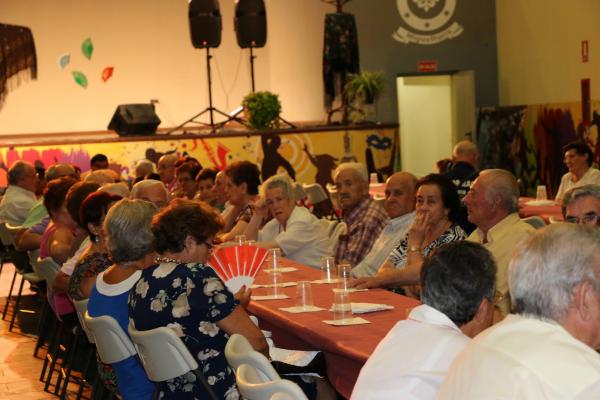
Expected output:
(243, 296)
(419, 229)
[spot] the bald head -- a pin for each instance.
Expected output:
(465, 151)
(59, 170)
(400, 194)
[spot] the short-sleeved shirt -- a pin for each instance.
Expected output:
(88, 267)
(591, 177)
(190, 299)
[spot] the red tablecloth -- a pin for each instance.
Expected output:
(545, 212)
(346, 348)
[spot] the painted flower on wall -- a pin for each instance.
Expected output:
(426, 4)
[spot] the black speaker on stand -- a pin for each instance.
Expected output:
(134, 119)
(205, 32)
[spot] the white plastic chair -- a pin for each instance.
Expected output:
(47, 269)
(164, 356)
(112, 342)
(239, 351)
(81, 309)
(337, 232)
(314, 192)
(535, 221)
(253, 385)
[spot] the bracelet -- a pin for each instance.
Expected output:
(414, 249)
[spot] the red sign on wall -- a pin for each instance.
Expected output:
(428, 66)
(585, 51)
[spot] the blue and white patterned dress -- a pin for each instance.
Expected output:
(190, 299)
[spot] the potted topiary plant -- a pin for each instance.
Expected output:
(364, 87)
(262, 110)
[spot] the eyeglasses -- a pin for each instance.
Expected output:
(590, 218)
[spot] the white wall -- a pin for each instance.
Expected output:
(539, 50)
(148, 43)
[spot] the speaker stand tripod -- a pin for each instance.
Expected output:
(210, 109)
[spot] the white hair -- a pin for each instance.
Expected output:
(145, 184)
(281, 181)
(144, 167)
(505, 185)
(360, 169)
(547, 266)
(118, 188)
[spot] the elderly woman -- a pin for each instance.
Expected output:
(182, 292)
(435, 224)
(185, 175)
(95, 258)
(241, 185)
(578, 157)
(130, 244)
(298, 233)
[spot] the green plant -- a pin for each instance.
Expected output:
(262, 110)
(364, 87)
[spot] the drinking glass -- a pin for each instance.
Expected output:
(541, 193)
(328, 269)
(304, 297)
(342, 308)
(240, 239)
(344, 275)
(273, 260)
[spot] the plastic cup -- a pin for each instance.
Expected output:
(328, 269)
(373, 178)
(342, 308)
(541, 193)
(250, 242)
(273, 260)
(344, 272)
(304, 297)
(240, 239)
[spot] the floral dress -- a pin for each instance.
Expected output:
(190, 299)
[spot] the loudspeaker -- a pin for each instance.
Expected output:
(134, 119)
(205, 23)
(251, 23)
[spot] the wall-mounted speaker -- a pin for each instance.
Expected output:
(205, 23)
(251, 23)
(134, 119)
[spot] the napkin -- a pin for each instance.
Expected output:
(541, 203)
(335, 280)
(281, 269)
(300, 309)
(347, 321)
(349, 290)
(270, 285)
(361, 308)
(270, 297)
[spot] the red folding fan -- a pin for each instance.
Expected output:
(237, 265)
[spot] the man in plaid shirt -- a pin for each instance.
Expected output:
(364, 218)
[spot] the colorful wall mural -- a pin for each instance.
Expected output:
(528, 140)
(309, 157)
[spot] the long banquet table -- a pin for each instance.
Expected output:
(544, 211)
(346, 348)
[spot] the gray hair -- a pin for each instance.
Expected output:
(464, 147)
(505, 185)
(579, 192)
(57, 170)
(144, 167)
(127, 229)
(280, 181)
(549, 265)
(118, 188)
(146, 184)
(360, 169)
(17, 172)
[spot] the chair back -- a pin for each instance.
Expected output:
(299, 193)
(81, 309)
(338, 230)
(112, 342)
(253, 385)
(239, 351)
(33, 256)
(47, 269)
(535, 221)
(6, 235)
(163, 354)
(314, 192)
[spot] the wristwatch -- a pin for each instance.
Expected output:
(412, 249)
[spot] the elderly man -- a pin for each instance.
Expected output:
(364, 218)
(166, 170)
(457, 292)
(547, 349)
(20, 194)
(400, 207)
(151, 190)
(581, 205)
(464, 166)
(492, 204)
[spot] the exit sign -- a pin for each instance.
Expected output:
(427, 66)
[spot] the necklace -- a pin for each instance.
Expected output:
(162, 259)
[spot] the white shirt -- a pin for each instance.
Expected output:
(413, 358)
(69, 266)
(15, 205)
(388, 240)
(524, 358)
(591, 177)
(304, 239)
